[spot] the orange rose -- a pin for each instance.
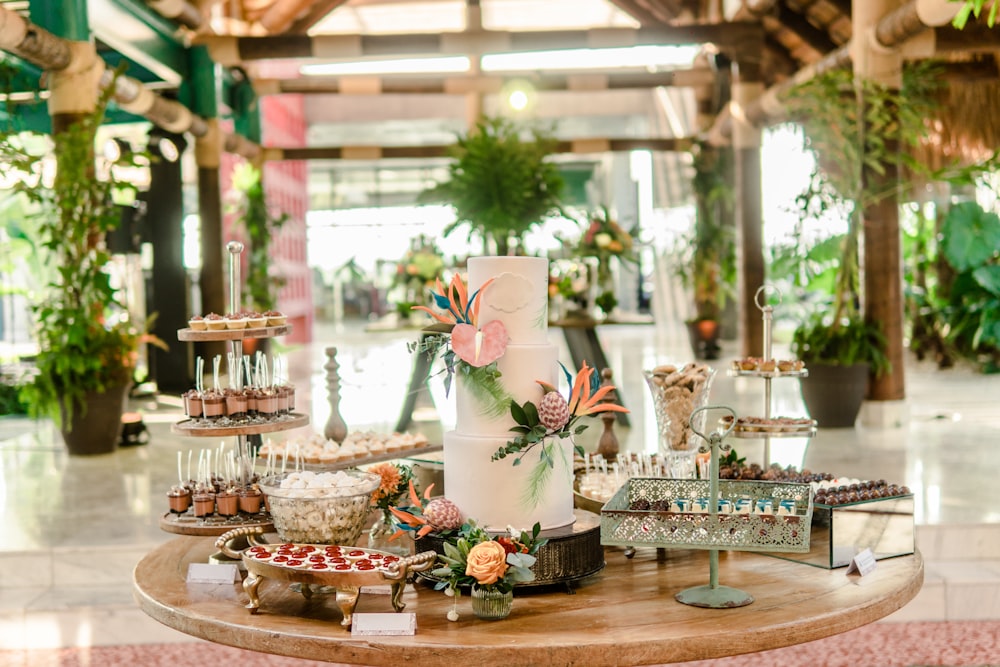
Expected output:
(487, 562)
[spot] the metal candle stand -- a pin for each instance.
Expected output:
(713, 595)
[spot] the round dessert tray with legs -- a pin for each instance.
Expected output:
(316, 567)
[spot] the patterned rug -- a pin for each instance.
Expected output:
(952, 644)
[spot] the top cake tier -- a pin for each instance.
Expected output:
(518, 296)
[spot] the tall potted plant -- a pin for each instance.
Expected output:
(500, 183)
(850, 124)
(708, 256)
(87, 345)
(261, 224)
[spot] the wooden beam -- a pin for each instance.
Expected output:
(637, 11)
(319, 10)
(397, 152)
(456, 85)
(234, 50)
(816, 39)
(282, 13)
(975, 36)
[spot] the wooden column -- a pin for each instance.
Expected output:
(168, 289)
(749, 218)
(881, 262)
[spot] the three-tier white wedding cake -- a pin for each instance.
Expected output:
(499, 494)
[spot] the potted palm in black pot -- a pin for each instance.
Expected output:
(850, 124)
(88, 347)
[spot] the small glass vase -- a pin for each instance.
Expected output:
(677, 394)
(381, 531)
(491, 604)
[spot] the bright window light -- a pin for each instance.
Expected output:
(518, 100)
(443, 65)
(577, 59)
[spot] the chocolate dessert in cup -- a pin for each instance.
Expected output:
(250, 499)
(179, 499)
(227, 502)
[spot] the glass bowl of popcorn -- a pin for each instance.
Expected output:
(320, 507)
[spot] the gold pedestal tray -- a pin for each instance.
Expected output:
(315, 566)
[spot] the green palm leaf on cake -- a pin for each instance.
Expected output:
(483, 382)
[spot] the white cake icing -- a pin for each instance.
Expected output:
(496, 493)
(492, 492)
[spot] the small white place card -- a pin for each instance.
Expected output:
(384, 624)
(863, 563)
(211, 573)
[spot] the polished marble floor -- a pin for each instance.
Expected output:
(74, 527)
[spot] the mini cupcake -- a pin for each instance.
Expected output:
(786, 365)
(215, 322)
(197, 323)
(236, 321)
(256, 320)
(767, 365)
(275, 318)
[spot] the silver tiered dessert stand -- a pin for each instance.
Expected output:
(767, 314)
(187, 524)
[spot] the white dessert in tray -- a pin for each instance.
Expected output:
(356, 447)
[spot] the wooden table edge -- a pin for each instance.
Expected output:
(340, 646)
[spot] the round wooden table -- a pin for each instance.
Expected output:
(625, 615)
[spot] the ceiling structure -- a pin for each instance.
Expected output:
(418, 114)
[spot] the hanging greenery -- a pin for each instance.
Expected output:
(86, 341)
(261, 225)
(708, 266)
(853, 125)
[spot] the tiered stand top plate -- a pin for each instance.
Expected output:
(233, 334)
(192, 428)
(626, 615)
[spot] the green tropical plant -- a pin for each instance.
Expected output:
(261, 224)
(974, 9)
(955, 292)
(853, 125)
(708, 257)
(86, 341)
(500, 184)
